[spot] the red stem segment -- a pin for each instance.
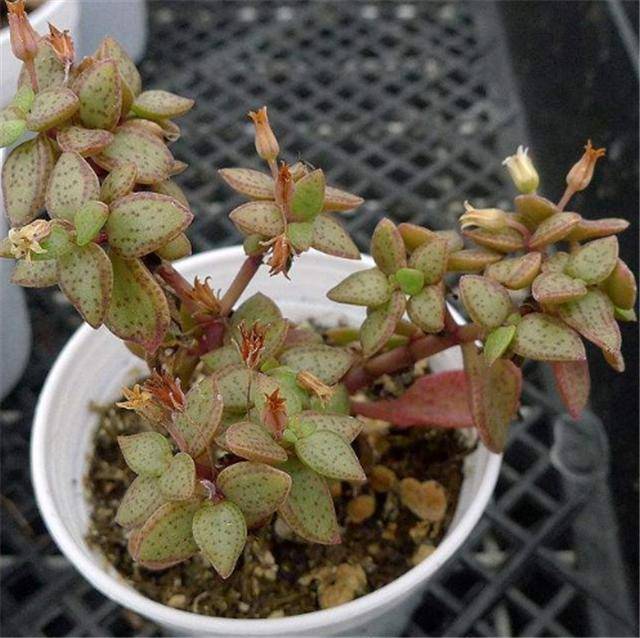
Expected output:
(248, 269)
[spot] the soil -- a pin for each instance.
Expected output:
(279, 577)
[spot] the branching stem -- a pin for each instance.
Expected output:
(248, 269)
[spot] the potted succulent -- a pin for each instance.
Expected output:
(278, 464)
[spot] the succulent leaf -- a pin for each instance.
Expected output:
(553, 229)
(51, 108)
(84, 141)
(257, 489)
(140, 223)
(453, 238)
(221, 358)
(221, 532)
(261, 217)
(387, 247)
(35, 274)
(300, 235)
(100, 93)
(516, 273)
(363, 288)
(309, 509)
(142, 498)
(73, 183)
(431, 259)
(574, 385)
(49, 71)
(283, 380)
(427, 309)
(308, 197)
(336, 404)
(535, 209)
(120, 182)
(138, 310)
(556, 262)
(111, 49)
(471, 259)
(25, 174)
(146, 453)
(176, 248)
(381, 324)
(86, 278)
(330, 237)
(23, 99)
(327, 363)
(594, 261)
(336, 200)
(262, 310)
(148, 153)
(592, 316)
(615, 360)
(494, 395)
(595, 228)
(166, 538)
(252, 442)
(556, 287)
(507, 240)
(233, 384)
(178, 481)
(346, 426)
(253, 184)
(89, 220)
(161, 105)
(58, 242)
(497, 343)
(329, 454)
(621, 286)
(486, 301)
(196, 425)
(434, 400)
(11, 131)
(414, 235)
(544, 338)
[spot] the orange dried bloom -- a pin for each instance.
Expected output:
(62, 45)
(284, 187)
(281, 255)
(266, 142)
(165, 390)
(136, 398)
(310, 382)
(24, 38)
(205, 298)
(581, 173)
(274, 416)
(251, 343)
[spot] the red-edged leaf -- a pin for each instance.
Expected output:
(573, 383)
(436, 400)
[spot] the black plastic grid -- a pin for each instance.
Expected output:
(411, 106)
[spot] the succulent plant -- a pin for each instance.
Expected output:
(246, 413)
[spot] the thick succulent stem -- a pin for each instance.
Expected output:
(403, 356)
(248, 269)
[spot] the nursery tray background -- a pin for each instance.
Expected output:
(412, 105)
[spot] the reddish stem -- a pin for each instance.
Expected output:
(564, 200)
(178, 283)
(248, 269)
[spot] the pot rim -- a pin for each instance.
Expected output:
(114, 587)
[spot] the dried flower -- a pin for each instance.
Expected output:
(581, 173)
(165, 390)
(274, 414)
(310, 382)
(24, 38)
(62, 45)
(251, 344)
(266, 142)
(136, 398)
(489, 218)
(281, 255)
(522, 170)
(205, 298)
(25, 241)
(284, 187)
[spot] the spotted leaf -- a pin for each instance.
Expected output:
(381, 323)
(592, 316)
(497, 343)
(73, 183)
(160, 105)
(25, 174)
(138, 310)
(257, 489)
(261, 217)
(140, 223)
(427, 309)
(387, 247)
(178, 481)
(336, 404)
(553, 229)
(471, 259)
(222, 357)
(621, 286)
(84, 141)
(594, 261)
(535, 209)
(89, 220)
(574, 384)
(253, 184)
(327, 363)
(309, 509)
(111, 49)
(346, 426)
(259, 308)
(595, 228)
(414, 235)
(86, 278)
(330, 237)
(11, 130)
(556, 262)
(49, 70)
(100, 93)
(233, 384)
(431, 258)
(251, 441)
(51, 108)
(300, 235)
(516, 273)
(556, 287)
(146, 453)
(194, 428)
(142, 498)
(545, 338)
(176, 248)
(336, 200)
(119, 182)
(507, 240)
(37, 274)
(486, 301)
(363, 288)
(329, 454)
(308, 197)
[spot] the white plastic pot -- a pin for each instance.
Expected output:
(94, 366)
(63, 14)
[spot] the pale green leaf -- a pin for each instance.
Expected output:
(73, 183)
(329, 454)
(146, 453)
(178, 481)
(595, 261)
(160, 105)
(486, 301)
(363, 288)
(387, 247)
(84, 141)
(330, 237)
(346, 426)
(308, 197)
(253, 184)
(100, 93)
(52, 108)
(497, 343)
(545, 338)
(556, 287)
(89, 220)
(381, 324)
(261, 217)
(431, 258)
(553, 229)
(327, 363)
(142, 498)
(252, 442)
(37, 274)
(119, 182)
(427, 309)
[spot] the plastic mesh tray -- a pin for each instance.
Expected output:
(412, 106)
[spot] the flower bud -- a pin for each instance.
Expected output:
(581, 173)
(489, 218)
(522, 171)
(25, 241)
(266, 142)
(24, 38)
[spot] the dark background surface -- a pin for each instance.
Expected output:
(413, 105)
